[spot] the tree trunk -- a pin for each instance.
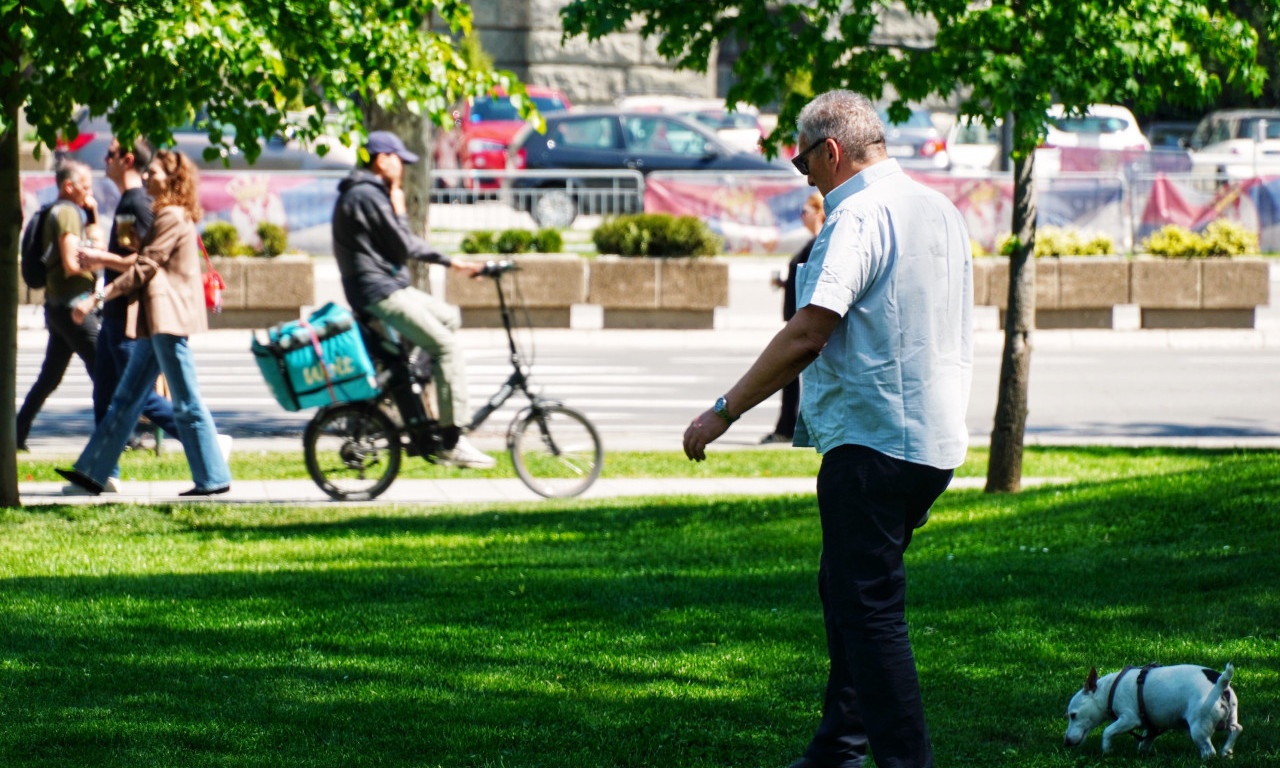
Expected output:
(1004, 470)
(10, 239)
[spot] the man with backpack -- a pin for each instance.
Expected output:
(59, 230)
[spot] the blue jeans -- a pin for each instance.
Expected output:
(114, 348)
(152, 356)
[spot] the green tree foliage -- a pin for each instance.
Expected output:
(1008, 58)
(245, 63)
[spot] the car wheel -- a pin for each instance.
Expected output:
(554, 209)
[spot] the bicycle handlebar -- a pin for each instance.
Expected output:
(496, 269)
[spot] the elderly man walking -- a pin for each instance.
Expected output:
(883, 337)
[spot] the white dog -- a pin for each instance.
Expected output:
(1155, 699)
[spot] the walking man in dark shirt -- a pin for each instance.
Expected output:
(130, 227)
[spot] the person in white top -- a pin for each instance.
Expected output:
(883, 336)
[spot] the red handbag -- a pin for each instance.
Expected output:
(213, 285)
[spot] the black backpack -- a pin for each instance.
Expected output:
(34, 266)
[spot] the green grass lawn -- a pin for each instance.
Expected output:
(658, 632)
(1089, 463)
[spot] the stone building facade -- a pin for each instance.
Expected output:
(525, 36)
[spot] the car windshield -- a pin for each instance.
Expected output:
(1090, 124)
(653, 133)
(486, 109)
(719, 120)
(977, 133)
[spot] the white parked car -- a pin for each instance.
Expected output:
(1237, 142)
(1102, 126)
(973, 147)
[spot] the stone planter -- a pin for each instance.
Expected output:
(259, 293)
(659, 292)
(630, 292)
(1083, 292)
(262, 292)
(1200, 293)
(549, 286)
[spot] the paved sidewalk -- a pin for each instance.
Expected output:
(438, 492)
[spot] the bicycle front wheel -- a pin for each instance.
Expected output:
(352, 452)
(556, 451)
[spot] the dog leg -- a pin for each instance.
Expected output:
(1145, 741)
(1126, 723)
(1201, 734)
(1233, 731)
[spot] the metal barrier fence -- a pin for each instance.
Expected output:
(495, 200)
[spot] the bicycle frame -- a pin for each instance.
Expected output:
(517, 380)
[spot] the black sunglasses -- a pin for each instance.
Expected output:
(800, 163)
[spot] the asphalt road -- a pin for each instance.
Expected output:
(642, 387)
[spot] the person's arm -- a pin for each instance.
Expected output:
(69, 248)
(791, 351)
(391, 231)
(96, 258)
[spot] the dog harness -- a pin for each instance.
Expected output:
(1147, 726)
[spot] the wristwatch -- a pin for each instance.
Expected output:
(722, 410)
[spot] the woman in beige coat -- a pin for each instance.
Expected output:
(170, 307)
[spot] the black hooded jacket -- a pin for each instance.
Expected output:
(371, 243)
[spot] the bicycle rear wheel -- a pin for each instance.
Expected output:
(556, 451)
(352, 451)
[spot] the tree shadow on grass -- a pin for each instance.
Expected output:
(633, 633)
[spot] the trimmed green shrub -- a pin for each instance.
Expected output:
(479, 241)
(514, 241)
(1229, 238)
(548, 241)
(656, 234)
(1174, 242)
(274, 239)
(1220, 238)
(221, 239)
(1054, 241)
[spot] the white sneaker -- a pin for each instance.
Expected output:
(111, 486)
(464, 454)
(224, 445)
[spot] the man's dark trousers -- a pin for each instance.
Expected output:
(869, 504)
(66, 338)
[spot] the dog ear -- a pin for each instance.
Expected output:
(1091, 682)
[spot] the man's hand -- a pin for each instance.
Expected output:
(701, 432)
(472, 268)
(81, 309)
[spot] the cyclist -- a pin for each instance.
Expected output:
(373, 244)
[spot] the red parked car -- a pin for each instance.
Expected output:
(488, 124)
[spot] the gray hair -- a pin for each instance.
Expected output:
(69, 170)
(845, 116)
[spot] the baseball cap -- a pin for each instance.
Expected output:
(387, 143)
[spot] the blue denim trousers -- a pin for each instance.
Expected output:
(152, 356)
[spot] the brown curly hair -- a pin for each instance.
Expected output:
(184, 183)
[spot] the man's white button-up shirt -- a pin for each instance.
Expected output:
(895, 261)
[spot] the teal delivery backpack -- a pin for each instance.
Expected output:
(316, 361)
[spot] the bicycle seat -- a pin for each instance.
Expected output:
(390, 349)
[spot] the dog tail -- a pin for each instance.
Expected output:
(1219, 687)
